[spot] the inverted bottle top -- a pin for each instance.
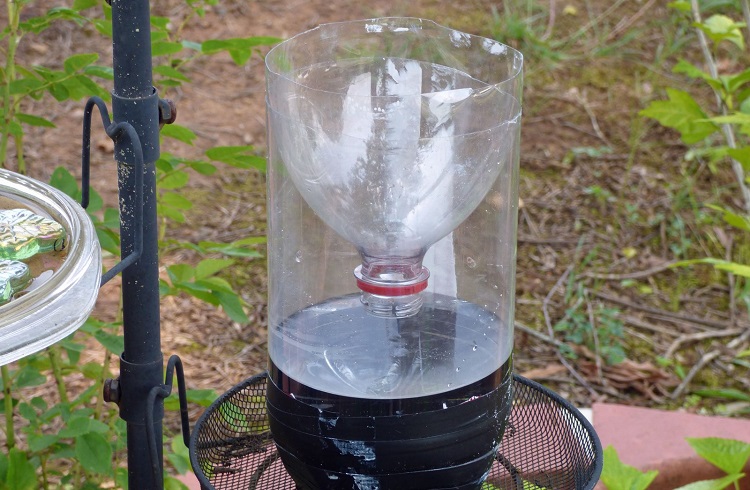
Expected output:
(393, 130)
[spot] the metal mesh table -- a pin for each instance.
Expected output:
(548, 444)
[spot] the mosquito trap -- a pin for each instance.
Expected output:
(393, 156)
(392, 208)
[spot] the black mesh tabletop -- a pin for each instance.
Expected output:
(548, 444)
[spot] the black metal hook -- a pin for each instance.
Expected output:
(115, 132)
(163, 391)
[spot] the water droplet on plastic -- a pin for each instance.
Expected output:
(298, 256)
(471, 263)
(458, 369)
(475, 347)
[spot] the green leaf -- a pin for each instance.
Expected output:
(200, 292)
(681, 112)
(113, 343)
(169, 72)
(177, 201)
(209, 267)
(180, 455)
(617, 475)
(203, 168)
(104, 72)
(736, 118)
(32, 120)
(706, 5)
(21, 474)
(232, 306)
(742, 155)
(239, 248)
(718, 484)
(40, 442)
(728, 455)
(178, 132)
(734, 82)
(103, 26)
(172, 483)
(689, 69)
(240, 49)
(108, 240)
(204, 398)
(59, 92)
(81, 425)
(79, 61)
(163, 48)
(719, 28)
(15, 129)
(237, 156)
(94, 453)
(29, 376)
(729, 393)
(719, 264)
(180, 273)
(738, 221)
(24, 85)
(216, 284)
(680, 5)
(170, 213)
(174, 180)
(160, 22)
(192, 45)
(84, 4)
(63, 180)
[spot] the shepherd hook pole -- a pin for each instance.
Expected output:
(135, 101)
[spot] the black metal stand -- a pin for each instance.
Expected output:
(138, 115)
(547, 444)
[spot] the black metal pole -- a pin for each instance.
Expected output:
(135, 101)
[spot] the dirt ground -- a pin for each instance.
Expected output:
(578, 104)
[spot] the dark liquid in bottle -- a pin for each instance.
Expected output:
(443, 440)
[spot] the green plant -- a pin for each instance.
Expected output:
(728, 455)
(598, 328)
(72, 443)
(685, 112)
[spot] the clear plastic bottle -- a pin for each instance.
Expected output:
(392, 201)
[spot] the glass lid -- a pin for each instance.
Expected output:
(50, 266)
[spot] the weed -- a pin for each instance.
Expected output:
(728, 455)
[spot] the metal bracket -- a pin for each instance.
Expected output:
(163, 391)
(115, 132)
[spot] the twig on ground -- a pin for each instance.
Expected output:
(539, 335)
(666, 314)
(550, 21)
(734, 343)
(547, 241)
(629, 275)
(594, 123)
(699, 336)
(705, 359)
(548, 321)
(637, 322)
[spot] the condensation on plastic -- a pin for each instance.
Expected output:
(58, 307)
